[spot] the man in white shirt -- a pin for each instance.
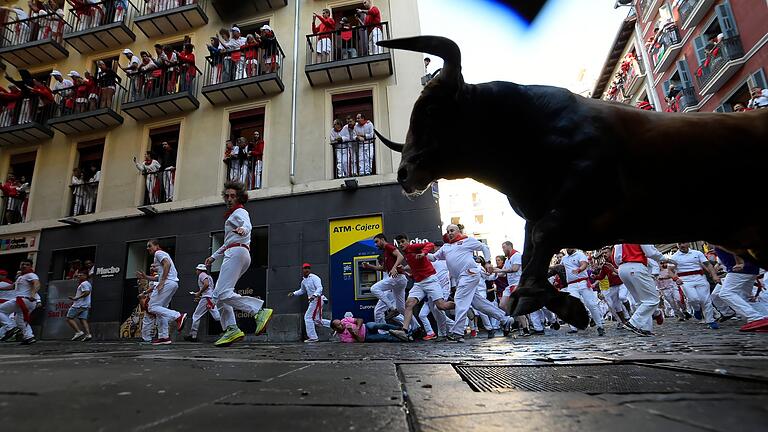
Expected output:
(204, 302)
(634, 262)
(312, 287)
(167, 283)
(691, 265)
(233, 45)
(364, 137)
(80, 308)
(26, 300)
(759, 98)
(576, 263)
(340, 138)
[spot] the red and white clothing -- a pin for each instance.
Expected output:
(373, 18)
(326, 26)
(160, 297)
(633, 270)
(365, 148)
(513, 278)
(395, 284)
(22, 303)
(312, 286)
(578, 287)
(205, 305)
(695, 283)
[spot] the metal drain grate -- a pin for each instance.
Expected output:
(596, 379)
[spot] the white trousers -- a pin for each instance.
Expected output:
(204, 306)
(236, 263)
(642, 286)
(737, 288)
(374, 36)
(672, 298)
(11, 307)
(397, 286)
(615, 297)
(537, 319)
(314, 316)
(466, 296)
(588, 297)
(169, 180)
(696, 288)
(158, 306)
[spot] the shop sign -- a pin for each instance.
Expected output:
(107, 272)
(20, 242)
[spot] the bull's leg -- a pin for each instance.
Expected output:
(535, 291)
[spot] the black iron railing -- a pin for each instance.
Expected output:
(685, 8)
(159, 186)
(343, 44)
(687, 99)
(148, 7)
(667, 37)
(246, 170)
(25, 108)
(91, 15)
(13, 205)
(354, 158)
(83, 198)
(83, 98)
(726, 50)
(48, 27)
(247, 62)
(153, 82)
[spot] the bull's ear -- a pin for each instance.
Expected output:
(442, 47)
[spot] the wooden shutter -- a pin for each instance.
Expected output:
(725, 18)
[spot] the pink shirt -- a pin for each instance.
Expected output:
(346, 335)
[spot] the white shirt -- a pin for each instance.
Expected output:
(650, 252)
(201, 282)
(6, 291)
(235, 44)
(513, 278)
(84, 302)
(96, 177)
(442, 274)
(760, 101)
(366, 129)
(311, 286)
(458, 256)
(238, 219)
(153, 167)
(62, 85)
(24, 284)
(161, 256)
(343, 134)
(688, 262)
(571, 263)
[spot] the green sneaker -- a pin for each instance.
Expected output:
(232, 335)
(262, 319)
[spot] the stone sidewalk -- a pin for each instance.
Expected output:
(686, 378)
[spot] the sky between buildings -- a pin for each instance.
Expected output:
(565, 46)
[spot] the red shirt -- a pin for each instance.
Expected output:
(421, 268)
(326, 25)
(389, 257)
(373, 16)
(633, 253)
(606, 271)
(258, 149)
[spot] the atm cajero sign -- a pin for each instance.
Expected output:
(107, 272)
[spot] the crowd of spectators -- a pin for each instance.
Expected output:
(44, 20)
(168, 71)
(160, 173)
(85, 184)
(234, 56)
(245, 160)
(353, 145)
(351, 37)
(16, 196)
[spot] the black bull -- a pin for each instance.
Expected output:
(585, 173)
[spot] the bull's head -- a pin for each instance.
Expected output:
(435, 119)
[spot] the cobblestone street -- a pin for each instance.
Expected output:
(686, 378)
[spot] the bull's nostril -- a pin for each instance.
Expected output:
(402, 174)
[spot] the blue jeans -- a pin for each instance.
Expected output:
(372, 332)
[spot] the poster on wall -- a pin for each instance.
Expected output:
(57, 304)
(351, 245)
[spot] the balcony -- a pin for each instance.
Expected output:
(349, 56)
(33, 41)
(687, 99)
(159, 187)
(166, 17)
(13, 204)
(23, 121)
(162, 91)
(246, 170)
(720, 65)
(235, 9)
(354, 158)
(634, 77)
(100, 26)
(70, 117)
(258, 73)
(83, 198)
(665, 48)
(693, 11)
(647, 8)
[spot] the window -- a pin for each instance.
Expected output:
(66, 262)
(86, 176)
(355, 158)
(138, 259)
(245, 161)
(252, 28)
(479, 219)
(455, 220)
(16, 188)
(163, 145)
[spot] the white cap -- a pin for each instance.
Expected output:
(201, 267)
(348, 315)
(266, 27)
(74, 74)
(127, 51)
(235, 29)
(55, 73)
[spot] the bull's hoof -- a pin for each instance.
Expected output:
(523, 305)
(569, 309)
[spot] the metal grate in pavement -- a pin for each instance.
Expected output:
(596, 379)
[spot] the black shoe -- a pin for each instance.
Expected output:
(688, 316)
(10, 334)
(391, 313)
(455, 338)
(725, 318)
(535, 332)
(555, 326)
(491, 334)
(600, 331)
(637, 331)
(28, 341)
(191, 339)
(592, 323)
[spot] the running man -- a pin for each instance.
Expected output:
(576, 263)
(167, 283)
(691, 265)
(27, 285)
(312, 286)
(204, 302)
(394, 279)
(80, 308)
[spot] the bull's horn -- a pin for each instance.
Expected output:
(391, 144)
(442, 47)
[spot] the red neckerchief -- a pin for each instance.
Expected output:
(512, 252)
(147, 162)
(459, 237)
(6, 280)
(27, 271)
(229, 212)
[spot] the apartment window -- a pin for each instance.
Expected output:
(159, 168)
(455, 220)
(65, 263)
(252, 28)
(742, 95)
(86, 176)
(479, 219)
(138, 259)
(355, 155)
(244, 157)
(16, 188)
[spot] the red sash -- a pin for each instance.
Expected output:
(23, 306)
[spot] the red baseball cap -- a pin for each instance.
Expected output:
(306, 265)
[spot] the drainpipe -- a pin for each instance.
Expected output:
(649, 78)
(293, 92)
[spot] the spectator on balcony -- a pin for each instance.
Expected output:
(232, 159)
(245, 164)
(215, 50)
(150, 168)
(45, 100)
(91, 188)
(347, 44)
(14, 197)
(168, 166)
(759, 98)
(269, 46)
(373, 24)
(233, 46)
(323, 33)
(251, 52)
(78, 192)
(739, 107)
(107, 81)
(340, 139)
(93, 90)
(148, 79)
(26, 107)
(364, 137)
(80, 91)
(59, 87)
(257, 155)
(133, 62)
(361, 33)
(224, 38)
(170, 59)
(20, 28)
(10, 105)
(187, 67)
(121, 7)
